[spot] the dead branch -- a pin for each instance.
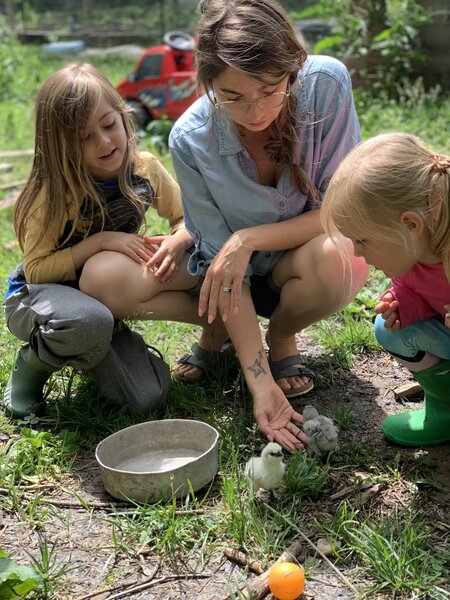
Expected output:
(138, 587)
(244, 559)
(16, 153)
(12, 184)
(258, 588)
(316, 549)
(407, 390)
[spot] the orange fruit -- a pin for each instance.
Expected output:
(286, 581)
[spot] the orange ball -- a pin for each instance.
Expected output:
(286, 581)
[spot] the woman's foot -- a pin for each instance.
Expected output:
(294, 378)
(204, 358)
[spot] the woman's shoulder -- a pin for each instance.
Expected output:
(316, 65)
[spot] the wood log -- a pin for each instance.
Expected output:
(16, 153)
(407, 390)
(258, 588)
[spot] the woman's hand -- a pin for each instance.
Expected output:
(168, 250)
(387, 307)
(277, 419)
(226, 272)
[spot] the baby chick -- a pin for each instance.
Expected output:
(266, 471)
(321, 431)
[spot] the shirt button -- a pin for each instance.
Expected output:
(282, 203)
(268, 255)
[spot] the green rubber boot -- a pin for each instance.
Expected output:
(24, 391)
(430, 425)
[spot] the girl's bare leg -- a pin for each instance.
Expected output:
(131, 291)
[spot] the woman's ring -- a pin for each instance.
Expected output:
(227, 289)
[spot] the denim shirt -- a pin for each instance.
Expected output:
(220, 189)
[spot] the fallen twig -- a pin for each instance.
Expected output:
(311, 543)
(149, 582)
(258, 588)
(16, 153)
(12, 184)
(244, 559)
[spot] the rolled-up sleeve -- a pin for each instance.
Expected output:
(203, 218)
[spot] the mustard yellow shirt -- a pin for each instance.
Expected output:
(47, 263)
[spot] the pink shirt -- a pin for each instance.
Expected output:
(421, 293)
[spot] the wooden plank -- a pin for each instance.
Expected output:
(16, 153)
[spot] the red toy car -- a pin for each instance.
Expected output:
(163, 81)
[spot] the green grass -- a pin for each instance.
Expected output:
(379, 549)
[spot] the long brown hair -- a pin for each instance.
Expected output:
(63, 107)
(256, 38)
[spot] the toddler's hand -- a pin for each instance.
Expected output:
(169, 250)
(387, 307)
(447, 315)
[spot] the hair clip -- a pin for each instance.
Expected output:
(440, 163)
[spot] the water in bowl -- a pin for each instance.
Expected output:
(157, 462)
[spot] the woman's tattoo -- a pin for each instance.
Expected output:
(256, 368)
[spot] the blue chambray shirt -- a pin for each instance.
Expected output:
(219, 182)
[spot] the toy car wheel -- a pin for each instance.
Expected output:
(140, 114)
(179, 40)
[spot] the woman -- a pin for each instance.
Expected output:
(253, 158)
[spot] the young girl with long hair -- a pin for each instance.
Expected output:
(88, 192)
(391, 198)
(253, 157)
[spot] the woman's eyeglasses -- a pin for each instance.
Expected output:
(268, 102)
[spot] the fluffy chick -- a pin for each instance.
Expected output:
(321, 431)
(266, 471)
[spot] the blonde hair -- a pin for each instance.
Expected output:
(256, 38)
(382, 178)
(63, 107)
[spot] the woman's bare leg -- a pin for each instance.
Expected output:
(316, 281)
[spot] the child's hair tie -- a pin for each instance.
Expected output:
(440, 163)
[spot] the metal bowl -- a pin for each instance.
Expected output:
(158, 460)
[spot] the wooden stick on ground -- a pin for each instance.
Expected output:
(258, 588)
(16, 153)
(341, 576)
(244, 559)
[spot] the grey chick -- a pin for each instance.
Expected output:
(266, 471)
(321, 431)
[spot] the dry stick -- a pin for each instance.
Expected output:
(258, 588)
(319, 552)
(16, 153)
(244, 559)
(146, 584)
(13, 184)
(120, 587)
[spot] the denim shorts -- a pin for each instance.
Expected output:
(265, 294)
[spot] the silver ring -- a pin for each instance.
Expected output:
(227, 289)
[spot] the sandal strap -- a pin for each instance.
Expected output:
(289, 367)
(209, 361)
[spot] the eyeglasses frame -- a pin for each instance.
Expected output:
(247, 103)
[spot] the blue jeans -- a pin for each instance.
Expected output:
(422, 336)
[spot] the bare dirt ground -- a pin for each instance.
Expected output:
(83, 537)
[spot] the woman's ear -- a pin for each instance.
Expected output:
(413, 221)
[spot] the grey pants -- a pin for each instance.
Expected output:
(66, 327)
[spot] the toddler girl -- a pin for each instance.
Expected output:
(391, 197)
